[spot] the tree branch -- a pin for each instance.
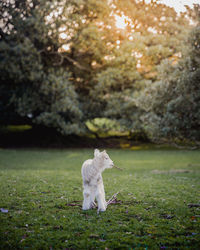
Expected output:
(2, 34)
(75, 63)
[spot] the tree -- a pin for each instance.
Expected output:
(48, 54)
(33, 88)
(153, 33)
(173, 102)
(65, 62)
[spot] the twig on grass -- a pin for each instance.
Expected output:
(193, 205)
(113, 199)
(74, 204)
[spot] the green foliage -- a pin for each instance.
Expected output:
(33, 88)
(104, 127)
(173, 103)
(42, 191)
(65, 62)
(154, 32)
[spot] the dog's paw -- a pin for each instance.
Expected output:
(102, 209)
(85, 208)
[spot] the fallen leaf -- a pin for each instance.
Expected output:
(23, 238)
(194, 233)
(102, 240)
(193, 205)
(167, 216)
(4, 210)
(94, 236)
(57, 227)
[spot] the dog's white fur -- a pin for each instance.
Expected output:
(93, 182)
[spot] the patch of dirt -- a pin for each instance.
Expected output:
(172, 171)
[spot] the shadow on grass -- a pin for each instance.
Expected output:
(42, 137)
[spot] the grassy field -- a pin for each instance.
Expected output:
(157, 208)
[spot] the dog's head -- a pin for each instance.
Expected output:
(103, 158)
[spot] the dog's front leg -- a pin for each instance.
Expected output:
(86, 199)
(100, 195)
(92, 197)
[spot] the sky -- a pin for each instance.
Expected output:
(179, 4)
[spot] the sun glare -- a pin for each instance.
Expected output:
(179, 6)
(63, 36)
(121, 22)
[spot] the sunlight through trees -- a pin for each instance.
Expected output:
(65, 63)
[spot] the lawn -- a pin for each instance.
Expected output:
(158, 204)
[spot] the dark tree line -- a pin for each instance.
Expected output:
(65, 63)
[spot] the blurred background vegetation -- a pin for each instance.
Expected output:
(99, 68)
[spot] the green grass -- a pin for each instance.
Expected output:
(40, 187)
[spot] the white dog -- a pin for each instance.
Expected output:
(93, 182)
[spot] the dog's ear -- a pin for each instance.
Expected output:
(96, 153)
(104, 154)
